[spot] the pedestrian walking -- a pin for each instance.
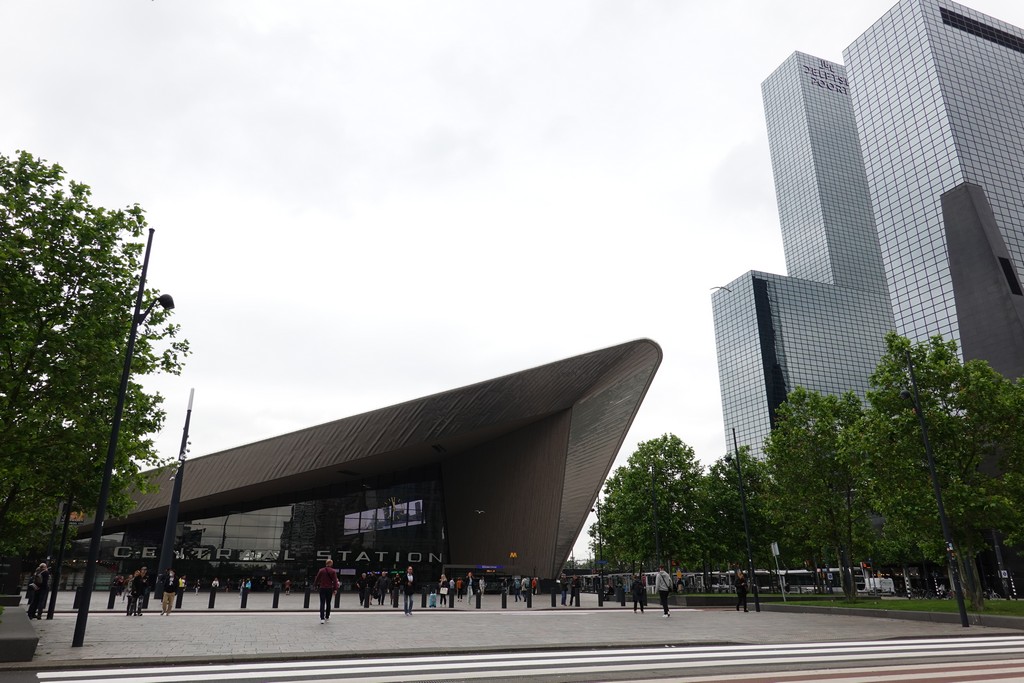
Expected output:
(409, 586)
(136, 588)
(636, 589)
(663, 584)
(442, 589)
(563, 583)
(171, 585)
(327, 583)
(741, 590)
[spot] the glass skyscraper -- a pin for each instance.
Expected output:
(938, 94)
(823, 326)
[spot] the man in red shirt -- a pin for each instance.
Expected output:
(327, 583)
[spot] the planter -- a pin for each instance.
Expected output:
(18, 638)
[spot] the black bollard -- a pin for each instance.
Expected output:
(504, 599)
(337, 600)
(213, 598)
(277, 596)
(451, 600)
(77, 592)
(479, 596)
(620, 593)
(145, 599)
(423, 598)
(305, 600)
(577, 603)
(178, 598)
(245, 597)
(554, 599)
(529, 599)
(600, 596)
(110, 600)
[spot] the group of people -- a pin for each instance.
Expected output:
(662, 584)
(570, 588)
(377, 587)
(457, 589)
(327, 584)
(38, 589)
(370, 586)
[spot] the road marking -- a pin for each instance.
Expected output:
(558, 662)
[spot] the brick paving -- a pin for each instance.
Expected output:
(228, 633)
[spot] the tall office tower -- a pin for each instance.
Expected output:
(938, 93)
(823, 327)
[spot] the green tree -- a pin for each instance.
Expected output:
(67, 291)
(658, 481)
(976, 431)
(819, 495)
(722, 536)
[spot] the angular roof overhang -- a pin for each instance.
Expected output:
(595, 395)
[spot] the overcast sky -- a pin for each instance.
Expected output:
(361, 203)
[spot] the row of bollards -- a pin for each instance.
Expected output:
(620, 597)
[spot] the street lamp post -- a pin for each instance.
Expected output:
(746, 525)
(654, 517)
(138, 317)
(170, 526)
(946, 532)
(600, 554)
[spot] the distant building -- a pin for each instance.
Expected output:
(823, 327)
(461, 479)
(938, 93)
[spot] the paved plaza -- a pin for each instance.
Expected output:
(227, 633)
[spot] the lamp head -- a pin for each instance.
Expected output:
(905, 395)
(166, 300)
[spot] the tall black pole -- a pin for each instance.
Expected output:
(600, 547)
(58, 565)
(171, 525)
(654, 516)
(946, 532)
(746, 527)
(85, 594)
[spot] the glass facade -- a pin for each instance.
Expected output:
(939, 101)
(383, 524)
(822, 328)
(775, 333)
(828, 230)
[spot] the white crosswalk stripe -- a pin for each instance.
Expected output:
(560, 662)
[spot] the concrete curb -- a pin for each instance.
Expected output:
(975, 619)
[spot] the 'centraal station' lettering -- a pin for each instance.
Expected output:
(232, 555)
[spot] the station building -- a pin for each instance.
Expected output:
(497, 477)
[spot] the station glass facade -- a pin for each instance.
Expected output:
(384, 524)
(939, 101)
